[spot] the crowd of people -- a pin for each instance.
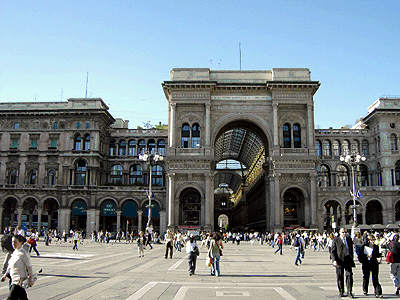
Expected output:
(369, 248)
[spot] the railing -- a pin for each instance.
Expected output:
(294, 151)
(341, 131)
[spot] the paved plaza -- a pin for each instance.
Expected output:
(114, 271)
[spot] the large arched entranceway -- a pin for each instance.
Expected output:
(240, 150)
(190, 207)
(49, 218)
(129, 220)
(29, 215)
(10, 214)
(373, 212)
(293, 208)
(332, 218)
(108, 216)
(78, 215)
(349, 212)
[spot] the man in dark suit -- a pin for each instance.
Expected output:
(343, 260)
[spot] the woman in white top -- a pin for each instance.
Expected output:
(19, 268)
(192, 250)
(140, 243)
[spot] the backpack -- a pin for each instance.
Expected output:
(296, 243)
(6, 243)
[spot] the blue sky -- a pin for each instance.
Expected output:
(129, 47)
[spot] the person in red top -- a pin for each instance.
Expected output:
(279, 242)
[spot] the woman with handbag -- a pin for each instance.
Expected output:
(215, 252)
(193, 251)
(19, 268)
(394, 247)
(32, 242)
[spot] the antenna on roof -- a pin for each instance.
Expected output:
(87, 80)
(240, 57)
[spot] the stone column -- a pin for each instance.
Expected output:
(67, 220)
(19, 216)
(97, 213)
(39, 221)
(208, 122)
(276, 125)
(171, 201)
(386, 176)
(163, 222)
(276, 205)
(140, 216)
(310, 131)
(119, 220)
(91, 220)
(343, 218)
(173, 124)
(209, 204)
(313, 198)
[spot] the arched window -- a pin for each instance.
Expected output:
(397, 173)
(113, 147)
(336, 148)
(296, 136)
(393, 142)
(365, 148)
(141, 147)
(135, 174)
(31, 177)
(343, 178)
(122, 148)
(287, 143)
(151, 146)
(195, 135)
(326, 148)
(78, 142)
(86, 142)
(52, 177)
(355, 147)
(12, 176)
(318, 147)
(363, 176)
(80, 172)
(323, 176)
(161, 147)
(157, 175)
(345, 147)
(132, 147)
(116, 175)
(185, 135)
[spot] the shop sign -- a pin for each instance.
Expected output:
(109, 209)
(79, 208)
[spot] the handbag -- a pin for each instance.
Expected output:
(389, 256)
(220, 252)
(209, 261)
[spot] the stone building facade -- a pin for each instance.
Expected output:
(240, 149)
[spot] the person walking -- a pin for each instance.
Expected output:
(19, 269)
(215, 252)
(149, 240)
(368, 257)
(298, 245)
(343, 259)
(394, 246)
(192, 251)
(76, 239)
(141, 243)
(32, 242)
(279, 242)
(169, 239)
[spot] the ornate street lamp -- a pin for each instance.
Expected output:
(149, 158)
(353, 161)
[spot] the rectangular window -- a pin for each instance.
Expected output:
(53, 144)
(16, 125)
(34, 144)
(55, 125)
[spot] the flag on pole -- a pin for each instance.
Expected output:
(359, 194)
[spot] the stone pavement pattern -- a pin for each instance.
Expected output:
(114, 271)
